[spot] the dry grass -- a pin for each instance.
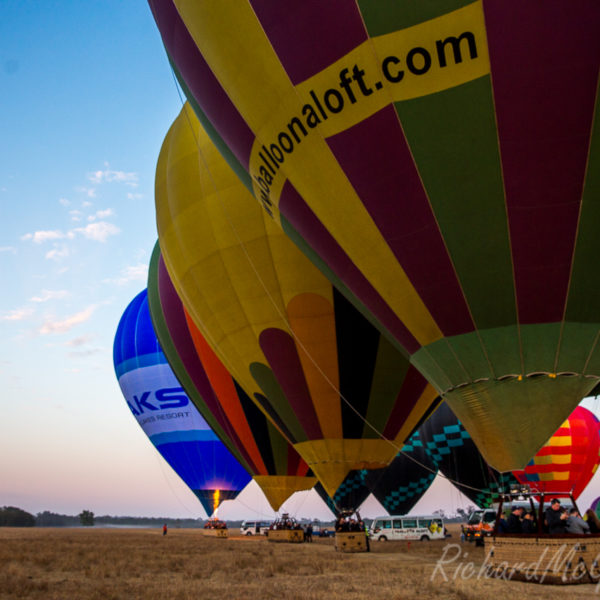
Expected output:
(112, 564)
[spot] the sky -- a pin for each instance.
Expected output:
(86, 98)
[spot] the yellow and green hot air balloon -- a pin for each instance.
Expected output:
(323, 374)
(236, 420)
(442, 159)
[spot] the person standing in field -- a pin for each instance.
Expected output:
(308, 533)
(165, 529)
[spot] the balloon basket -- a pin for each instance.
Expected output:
(219, 533)
(351, 541)
(289, 536)
(559, 560)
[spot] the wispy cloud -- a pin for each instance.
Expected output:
(19, 314)
(79, 341)
(134, 196)
(39, 237)
(90, 192)
(84, 353)
(101, 214)
(58, 252)
(64, 202)
(99, 231)
(76, 215)
(10, 249)
(132, 273)
(110, 176)
(64, 325)
(46, 295)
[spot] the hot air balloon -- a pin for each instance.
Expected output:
(397, 487)
(431, 159)
(349, 495)
(324, 375)
(402, 484)
(450, 447)
(164, 412)
(568, 460)
(266, 454)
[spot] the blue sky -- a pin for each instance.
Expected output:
(86, 98)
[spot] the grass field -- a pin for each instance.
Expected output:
(105, 564)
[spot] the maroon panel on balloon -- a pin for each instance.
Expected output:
(409, 395)
(201, 81)
(281, 353)
(394, 196)
(544, 65)
(310, 35)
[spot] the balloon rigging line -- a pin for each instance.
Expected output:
(285, 320)
(162, 469)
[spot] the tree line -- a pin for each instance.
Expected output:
(11, 516)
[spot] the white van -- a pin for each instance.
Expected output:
(255, 527)
(424, 528)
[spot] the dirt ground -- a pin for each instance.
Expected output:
(107, 564)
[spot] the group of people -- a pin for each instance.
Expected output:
(349, 524)
(286, 523)
(215, 524)
(557, 520)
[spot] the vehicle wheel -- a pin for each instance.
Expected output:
(382, 538)
(479, 542)
(424, 538)
(248, 533)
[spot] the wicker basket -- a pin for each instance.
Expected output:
(220, 533)
(565, 559)
(351, 541)
(290, 536)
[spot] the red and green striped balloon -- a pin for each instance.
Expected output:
(439, 160)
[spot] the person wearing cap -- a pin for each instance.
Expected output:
(513, 523)
(556, 518)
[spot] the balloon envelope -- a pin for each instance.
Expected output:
(438, 168)
(569, 459)
(397, 487)
(449, 446)
(265, 453)
(164, 412)
(324, 375)
(402, 484)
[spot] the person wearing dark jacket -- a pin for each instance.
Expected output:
(528, 524)
(513, 523)
(556, 518)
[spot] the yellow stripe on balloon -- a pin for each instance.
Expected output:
(560, 440)
(243, 67)
(313, 322)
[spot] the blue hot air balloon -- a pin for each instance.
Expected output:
(165, 413)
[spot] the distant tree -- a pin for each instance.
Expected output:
(50, 519)
(440, 512)
(86, 518)
(11, 516)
